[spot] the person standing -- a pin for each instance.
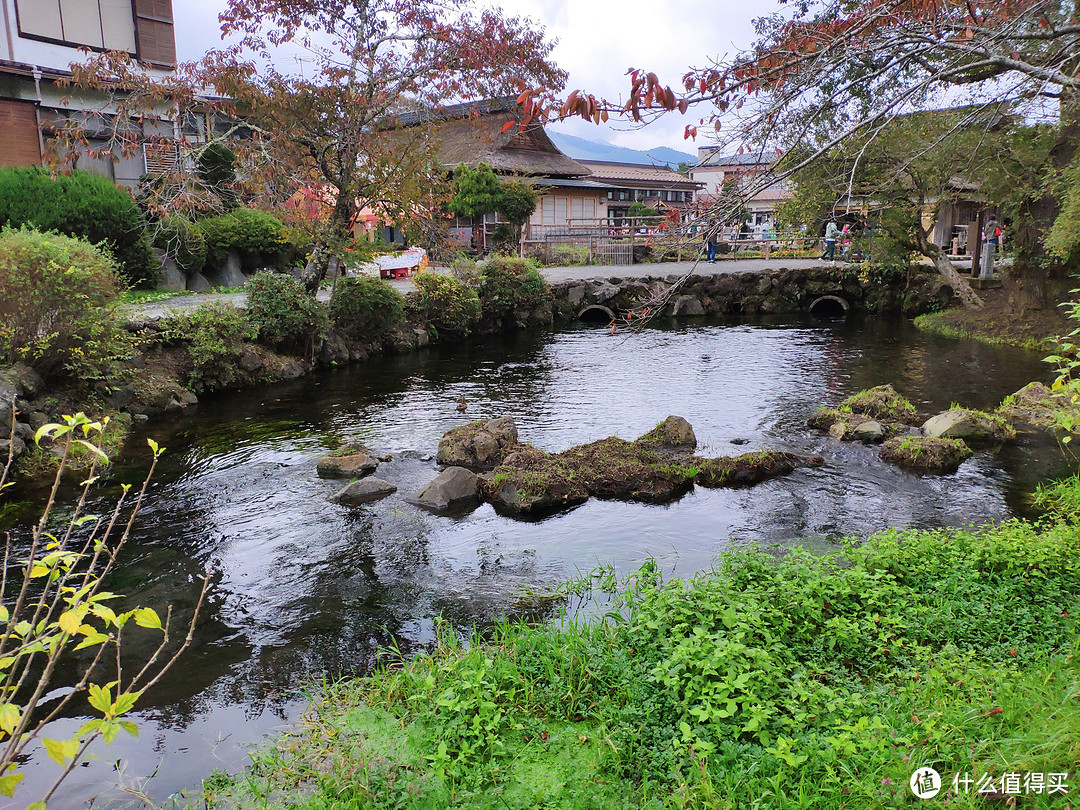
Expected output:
(845, 243)
(991, 237)
(712, 230)
(831, 232)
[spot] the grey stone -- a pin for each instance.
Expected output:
(199, 283)
(334, 350)
(250, 360)
(187, 398)
(346, 466)
(172, 277)
(486, 446)
(955, 424)
(15, 446)
(365, 491)
(121, 397)
(764, 285)
(37, 419)
(291, 369)
(838, 430)
(575, 294)
(422, 337)
(454, 487)
(24, 431)
(869, 432)
(688, 305)
(28, 380)
(230, 274)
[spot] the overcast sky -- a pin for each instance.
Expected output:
(598, 41)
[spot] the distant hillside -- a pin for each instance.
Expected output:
(583, 149)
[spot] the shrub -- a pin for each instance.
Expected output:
(215, 335)
(183, 241)
(445, 304)
(509, 285)
(83, 205)
(284, 314)
(56, 301)
(366, 309)
(246, 230)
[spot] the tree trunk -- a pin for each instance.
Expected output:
(959, 284)
(324, 254)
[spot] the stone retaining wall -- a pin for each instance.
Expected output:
(780, 291)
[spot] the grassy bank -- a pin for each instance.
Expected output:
(791, 682)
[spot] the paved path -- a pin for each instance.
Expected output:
(182, 303)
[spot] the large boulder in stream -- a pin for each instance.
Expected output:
(454, 488)
(481, 445)
(363, 491)
(870, 416)
(926, 454)
(971, 426)
(531, 483)
(350, 461)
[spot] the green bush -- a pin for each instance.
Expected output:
(509, 285)
(215, 335)
(57, 299)
(366, 309)
(246, 230)
(183, 241)
(283, 313)
(445, 304)
(83, 205)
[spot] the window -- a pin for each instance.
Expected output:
(103, 24)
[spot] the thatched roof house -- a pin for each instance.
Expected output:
(474, 133)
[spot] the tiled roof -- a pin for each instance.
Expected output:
(632, 173)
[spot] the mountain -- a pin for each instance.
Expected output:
(584, 149)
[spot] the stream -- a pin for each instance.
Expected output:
(302, 588)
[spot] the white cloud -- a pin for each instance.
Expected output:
(599, 40)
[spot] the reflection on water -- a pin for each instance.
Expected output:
(302, 587)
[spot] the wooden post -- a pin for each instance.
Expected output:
(976, 246)
(632, 229)
(768, 250)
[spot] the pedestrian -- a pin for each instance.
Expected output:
(991, 237)
(845, 242)
(711, 231)
(831, 232)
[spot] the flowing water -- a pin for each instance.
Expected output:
(302, 588)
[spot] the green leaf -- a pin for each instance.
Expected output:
(92, 640)
(147, 617)
(9, 716)
(100, 698)
(4, 615)
(93, 448)
(129, 727)
(70, 621)
(56, 749)
(125, 702)
(10, 782)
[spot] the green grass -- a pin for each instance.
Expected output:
(132, 297)
(934, 322)
(774, 681)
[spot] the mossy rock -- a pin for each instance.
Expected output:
(347, 461)
(1037, 404)
(848, 426)
(749, 468)
(674, 433)
(925, 453)
(970, 425)
(482, 444)
(882, 403)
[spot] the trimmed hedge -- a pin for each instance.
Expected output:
(366, 309)
(83, 205)
(247, 230)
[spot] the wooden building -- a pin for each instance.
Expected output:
(42, 38)
(657, 187)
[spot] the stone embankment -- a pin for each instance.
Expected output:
(826, 291)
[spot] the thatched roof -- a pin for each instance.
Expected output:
(474, 133)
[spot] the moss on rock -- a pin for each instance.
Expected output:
(882, 403)
(926, 453)
(970, 425)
